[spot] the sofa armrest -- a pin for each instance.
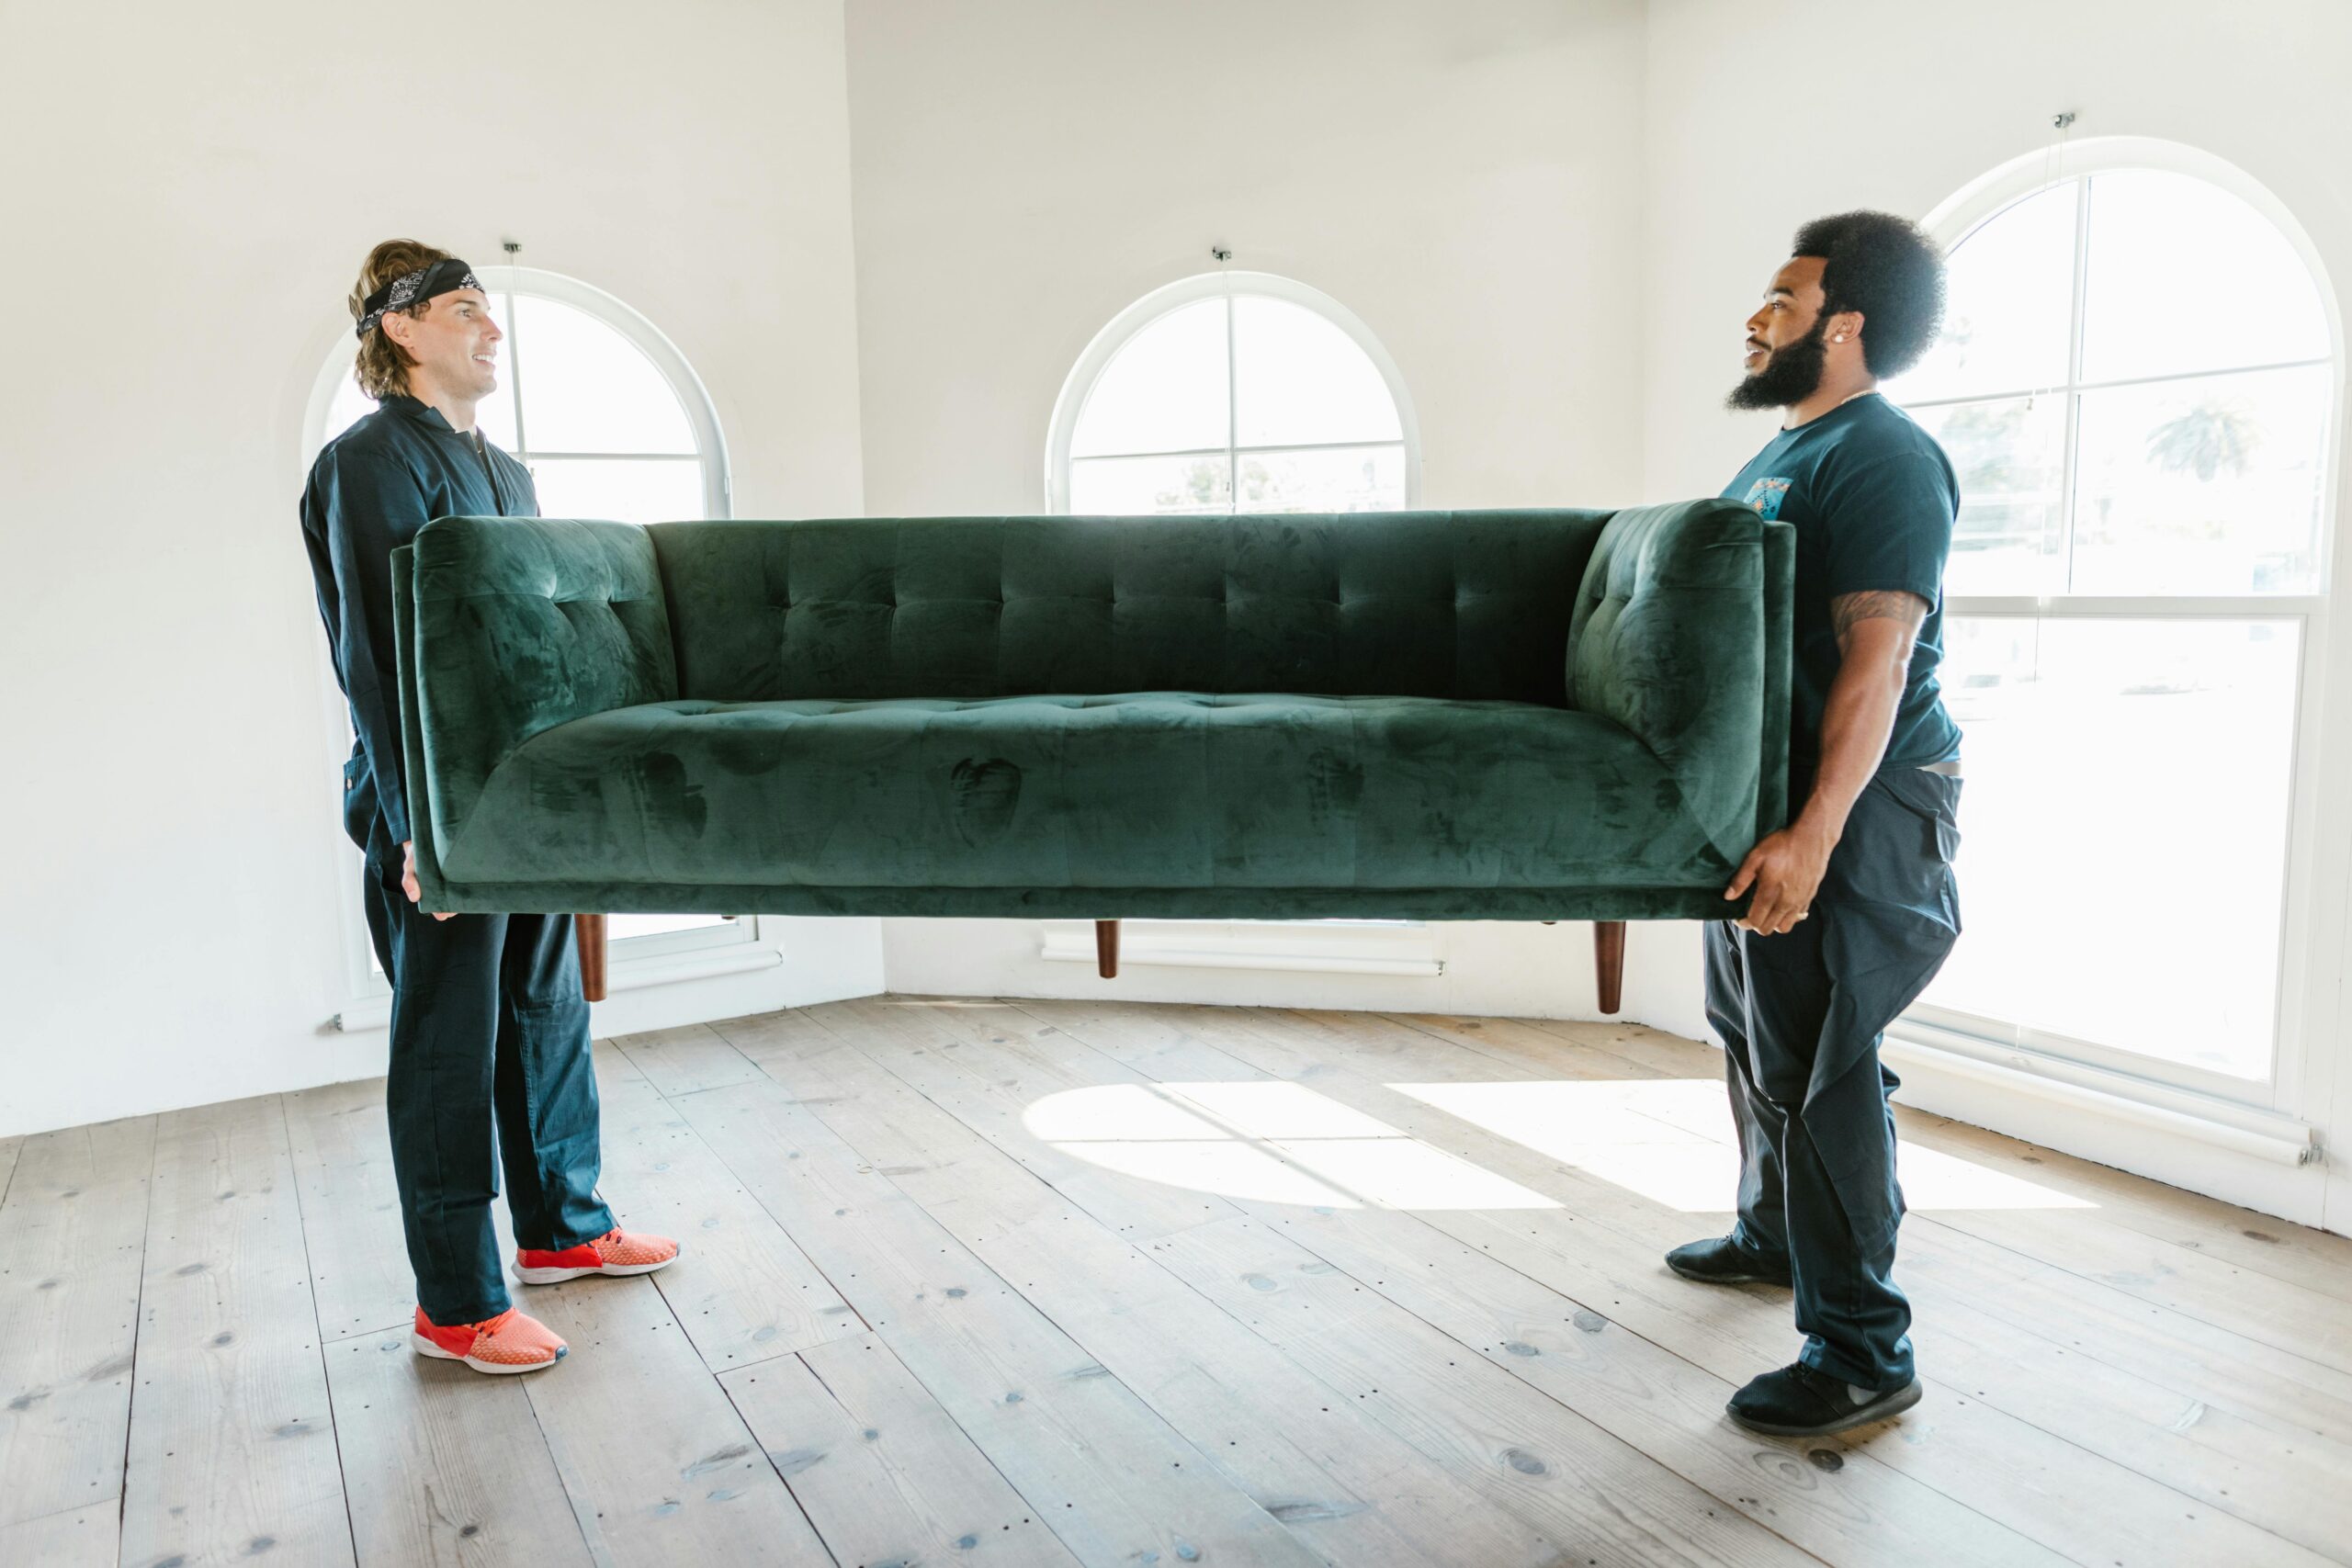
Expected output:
(420, 816)
(1681, 633)
(507, 627)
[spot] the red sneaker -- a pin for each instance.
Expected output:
(507, 1343)
(615, 1252)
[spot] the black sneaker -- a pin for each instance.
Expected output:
(1798, 1402)
(1720, 1260)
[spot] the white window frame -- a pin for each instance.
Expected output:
(1223, 286)
(2316, 851)
(661, 957)
(702, 417)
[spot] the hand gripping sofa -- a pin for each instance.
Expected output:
(1498, 715)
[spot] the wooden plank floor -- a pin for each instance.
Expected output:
(1044, 1283)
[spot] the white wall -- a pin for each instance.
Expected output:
(1760, 115)
(1461, 177)
(189, 193)
(1464, 179)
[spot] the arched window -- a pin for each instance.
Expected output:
(612, 423)
(1233, 392)
(601, 406)
(2139, 384)
(1241, 391)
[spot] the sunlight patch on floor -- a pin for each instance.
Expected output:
(1266, 1141)
(1672, 1141)
(1667, 1140)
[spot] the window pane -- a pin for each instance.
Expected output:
(2010, 457)
(494, 413)
(2184, 276)
(2123, 830)
(1163, 391)
(1327, 478)
(2209, 486)
(587, 388)
(621, 489)
(1299, 379)
(2007, 312)
(1133, 486)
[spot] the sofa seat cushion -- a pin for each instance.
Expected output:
(1134, 789)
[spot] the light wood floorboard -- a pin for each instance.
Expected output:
(1097, 1466)
(1316, 1453)
(73, 1241)
(751, 1294)
(442, 1464)
(79, 1538)
(1044, 1283)
(233, 1445)
(885, 1473)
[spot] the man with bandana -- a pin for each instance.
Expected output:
(1855, 908)
(489, 1029)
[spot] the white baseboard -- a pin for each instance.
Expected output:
(736, 958)
(1334, 948)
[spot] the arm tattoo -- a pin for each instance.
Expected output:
(1848, 609)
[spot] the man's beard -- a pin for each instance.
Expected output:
(1792, 375)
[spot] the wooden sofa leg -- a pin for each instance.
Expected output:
(1608, 954)
(588, 933)
(1106, 949)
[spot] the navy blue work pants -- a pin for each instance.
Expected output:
(1801, 1015)
(489, 1046)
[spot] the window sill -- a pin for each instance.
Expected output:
(1960, 1066)
(1334, 947)
(375, 1013)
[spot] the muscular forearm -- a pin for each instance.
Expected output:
(1856, 724)
(1876, 628)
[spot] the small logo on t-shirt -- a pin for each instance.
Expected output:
(1765, 495)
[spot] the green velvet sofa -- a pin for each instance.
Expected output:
(1495, 715)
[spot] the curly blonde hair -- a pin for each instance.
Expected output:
(382, 367)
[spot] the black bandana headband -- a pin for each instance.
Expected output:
(411, 288)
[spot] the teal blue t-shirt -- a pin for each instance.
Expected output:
(1872, 498)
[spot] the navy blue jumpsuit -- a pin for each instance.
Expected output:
(1801, 1014)
(488, 1026)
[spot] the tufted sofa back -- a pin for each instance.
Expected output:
(1461, 604)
